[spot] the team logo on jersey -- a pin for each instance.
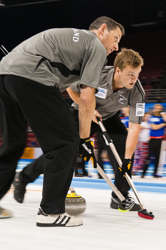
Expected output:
(122, 99)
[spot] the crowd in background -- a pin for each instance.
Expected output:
(152, 133)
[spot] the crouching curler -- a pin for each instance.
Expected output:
(124, 168)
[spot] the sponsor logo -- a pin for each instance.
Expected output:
(87, 149)
(122, 99)
(102, 93)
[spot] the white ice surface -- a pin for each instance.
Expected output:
(104, 228)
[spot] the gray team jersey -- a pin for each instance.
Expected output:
(108, 103)
(58, 57)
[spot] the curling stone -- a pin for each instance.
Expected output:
(74, 204)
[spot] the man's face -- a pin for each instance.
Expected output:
(157, 109)
(110, 39)
(128, 76)
(146, 117)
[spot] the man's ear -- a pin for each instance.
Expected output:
(117, 70)
(103, 28)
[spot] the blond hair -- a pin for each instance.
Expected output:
(128, 57)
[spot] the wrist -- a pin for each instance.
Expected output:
(82, 140)
(127, 159)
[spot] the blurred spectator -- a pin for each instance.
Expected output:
(125, 117)
(34, 143)
(157, 124)
(143, 144)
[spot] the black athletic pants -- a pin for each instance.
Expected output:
(43, 107)
(101, 146)
(118, 134)
(154, 148)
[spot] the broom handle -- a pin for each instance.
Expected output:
(131, 184)
(112, 186)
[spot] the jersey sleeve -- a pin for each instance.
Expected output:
(76, 87)
(94, 59)
(137, 104)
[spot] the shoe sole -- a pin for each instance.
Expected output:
(54, 225)
(116, 206)
(7, 217)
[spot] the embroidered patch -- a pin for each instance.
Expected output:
(102, 93)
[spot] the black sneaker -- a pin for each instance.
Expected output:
(115, 202)
(19, 189)
(157, 175)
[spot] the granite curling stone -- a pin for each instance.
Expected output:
(74, 203)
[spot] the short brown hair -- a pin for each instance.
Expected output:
(128, 57)
(111, 24)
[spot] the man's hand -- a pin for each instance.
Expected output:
(95, 115)
(126, 166)
(86, 151)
